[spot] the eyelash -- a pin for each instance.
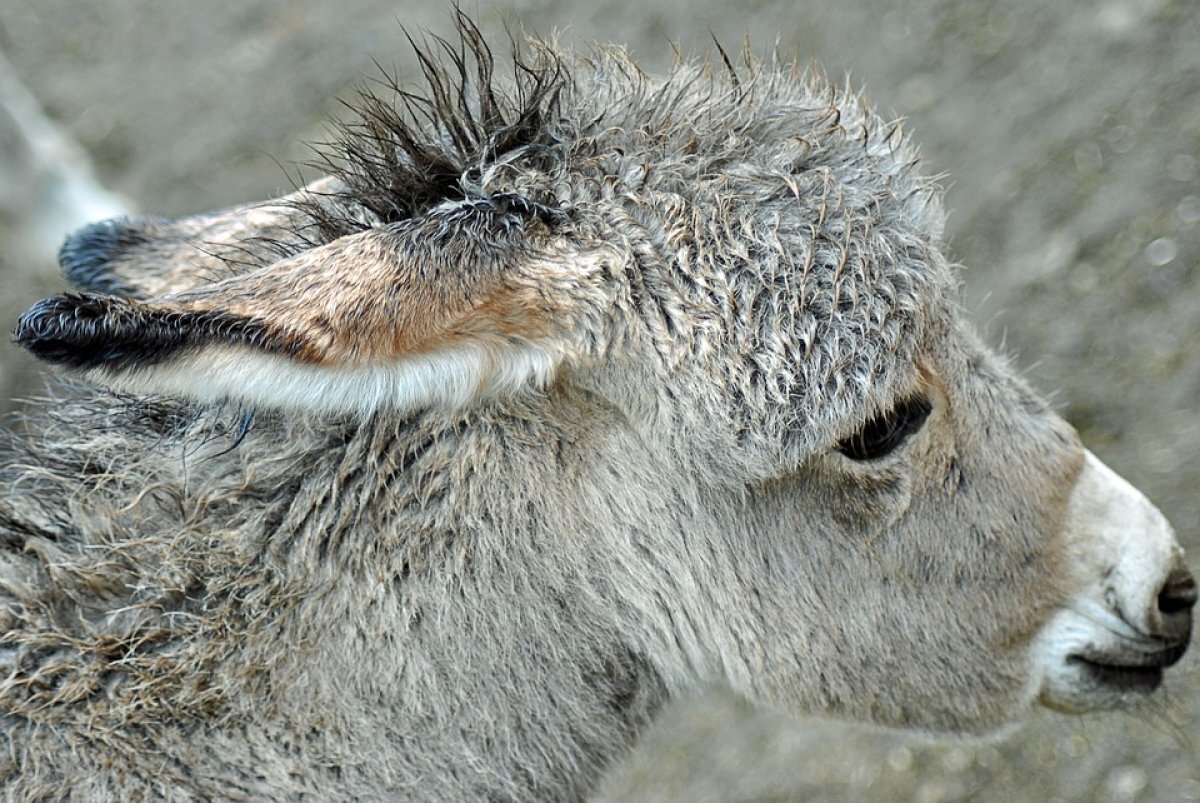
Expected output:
(883, 434)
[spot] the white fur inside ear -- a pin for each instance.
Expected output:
(450, 378)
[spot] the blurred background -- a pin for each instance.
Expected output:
(1070, 135)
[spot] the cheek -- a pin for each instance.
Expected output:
(894, 640)
(1012, 495)
(985, 537)
(946, 602)
(855, 508)
(912, 598)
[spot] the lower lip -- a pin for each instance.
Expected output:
(1137, 679)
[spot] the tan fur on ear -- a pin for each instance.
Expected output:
(368, 298)
(147, 258)
(407, 315)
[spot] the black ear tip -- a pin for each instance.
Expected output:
(115, 333)
(62, 329)
(86, 253)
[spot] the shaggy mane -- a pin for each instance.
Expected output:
(409, 150)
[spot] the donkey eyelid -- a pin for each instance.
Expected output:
(888, 431)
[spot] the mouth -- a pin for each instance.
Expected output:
(1137, 673)
(1092, 660)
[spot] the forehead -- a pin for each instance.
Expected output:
(793, 207)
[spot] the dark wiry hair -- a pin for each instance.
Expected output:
(410, 150)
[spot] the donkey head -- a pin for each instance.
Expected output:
(858, 509)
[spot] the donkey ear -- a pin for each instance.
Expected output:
(412, 315)
(149, 257)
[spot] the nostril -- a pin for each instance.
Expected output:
(1178, 593)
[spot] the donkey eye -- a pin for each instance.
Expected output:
(885, 432)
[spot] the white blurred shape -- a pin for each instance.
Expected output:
(47, 185)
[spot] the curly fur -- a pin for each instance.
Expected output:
(739, 267)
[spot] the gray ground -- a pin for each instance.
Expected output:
(1070, 131)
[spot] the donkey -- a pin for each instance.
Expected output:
(560, 396)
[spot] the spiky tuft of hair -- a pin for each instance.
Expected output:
(411, 150)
